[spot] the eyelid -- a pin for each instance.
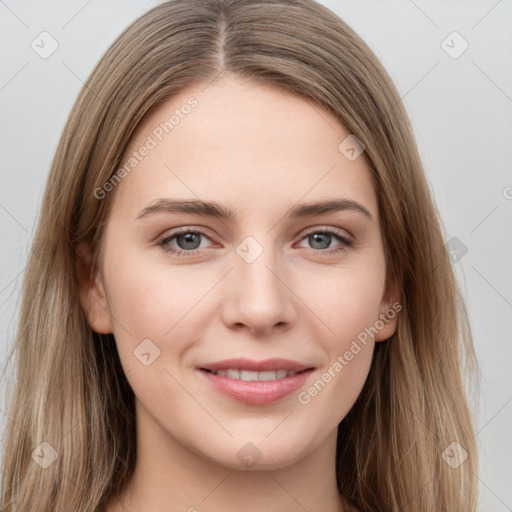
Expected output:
(185, 229)
(170, 233)
(329, 229)
(174, 232)
(345, 242)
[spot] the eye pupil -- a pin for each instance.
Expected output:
(320, 237)
(190, 238)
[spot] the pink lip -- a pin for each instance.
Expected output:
(256, 366)
(257, 392)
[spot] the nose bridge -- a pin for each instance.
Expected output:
(255, 266)
(257, 296)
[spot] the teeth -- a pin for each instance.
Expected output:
(247, 375)
(267, 375)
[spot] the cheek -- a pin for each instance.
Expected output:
(155, 301)
(345, 300)
(348, 307)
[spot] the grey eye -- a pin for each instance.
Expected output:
(320, 240)
(188, 240)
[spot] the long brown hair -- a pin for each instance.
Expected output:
(70, 390)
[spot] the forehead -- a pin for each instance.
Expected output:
(236, 140)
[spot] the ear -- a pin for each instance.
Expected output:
(389, 309)
(92, 292)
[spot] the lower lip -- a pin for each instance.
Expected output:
(257, 392)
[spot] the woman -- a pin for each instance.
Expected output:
(239, 295)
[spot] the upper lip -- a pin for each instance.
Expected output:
(256, 366)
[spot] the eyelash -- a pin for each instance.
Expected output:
(345, 242)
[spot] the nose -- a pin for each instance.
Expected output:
(258, 295)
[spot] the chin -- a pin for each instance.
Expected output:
(257, 455)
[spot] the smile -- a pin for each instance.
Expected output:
(252, 376)
(255, 382)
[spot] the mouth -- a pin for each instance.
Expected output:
(256, 382)
(252, 376)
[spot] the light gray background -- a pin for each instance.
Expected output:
(461, 113)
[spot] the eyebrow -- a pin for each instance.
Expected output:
(213, 209)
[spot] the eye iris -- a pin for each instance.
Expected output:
(190, 238)
(320, 237)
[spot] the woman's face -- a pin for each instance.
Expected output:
(213, 252)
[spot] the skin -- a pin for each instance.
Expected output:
(258, 151)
